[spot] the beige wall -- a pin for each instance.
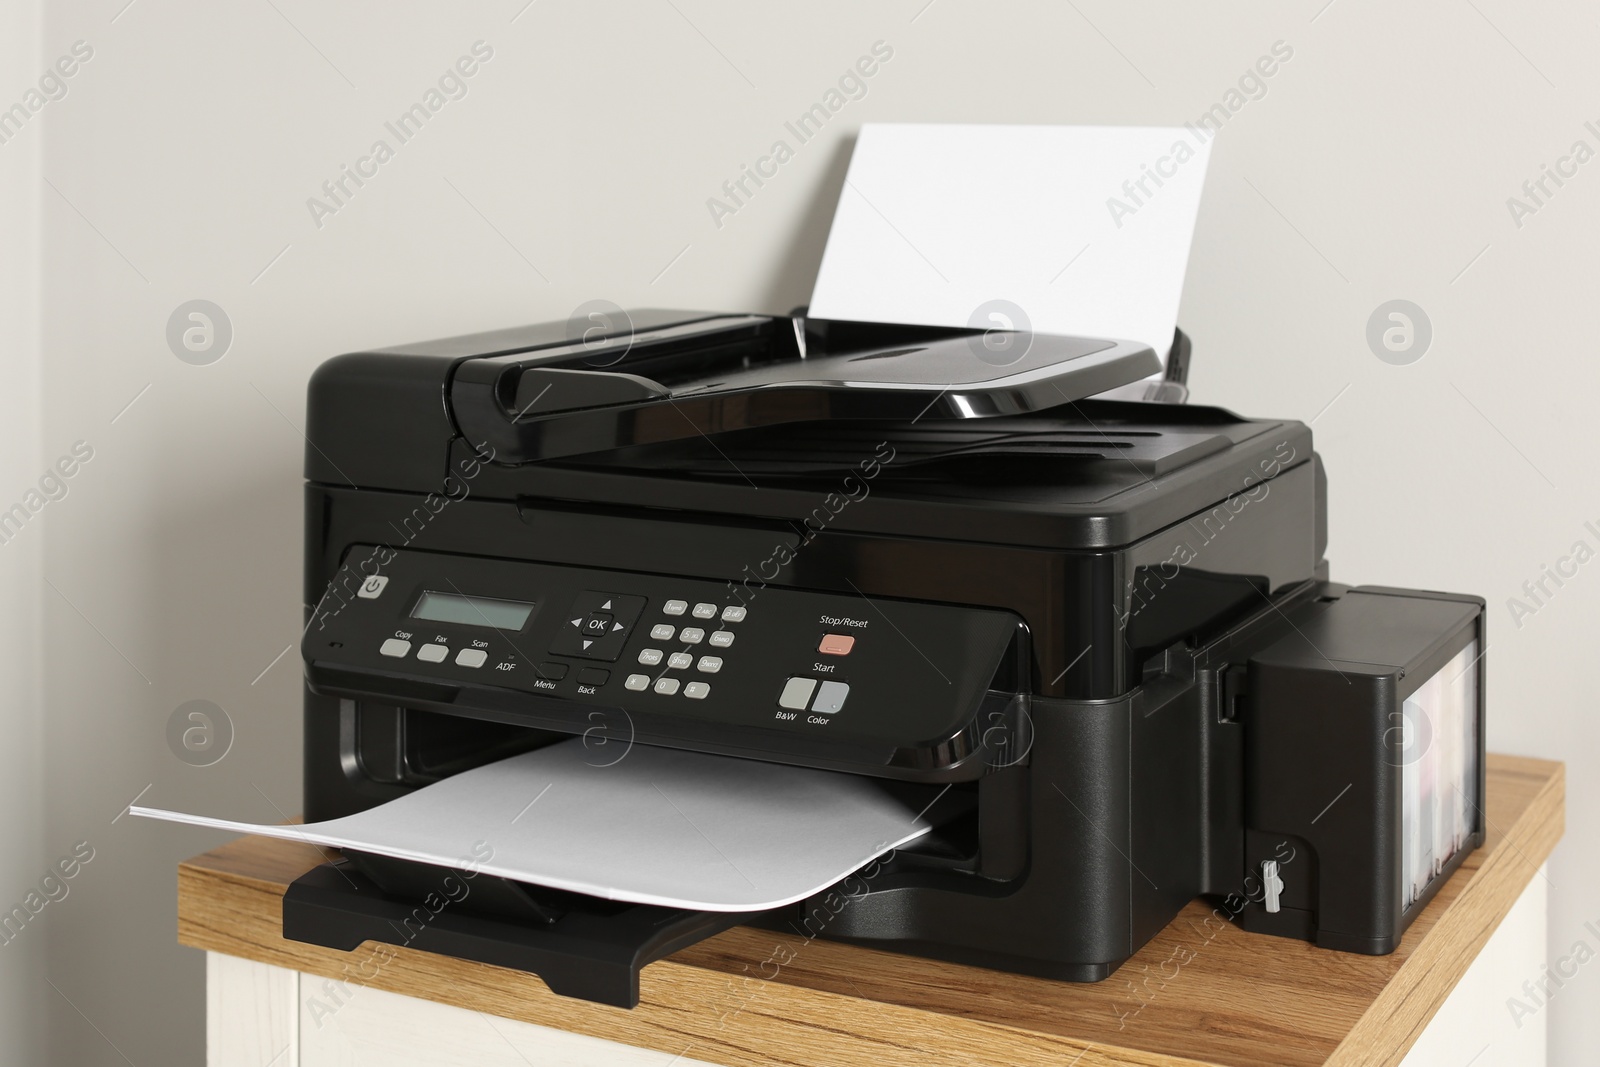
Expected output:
(1376, 166)
(23, 992)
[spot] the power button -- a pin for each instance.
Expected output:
(372, 587)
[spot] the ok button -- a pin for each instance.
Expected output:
(597, 625)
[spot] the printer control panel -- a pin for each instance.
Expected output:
(502, 635)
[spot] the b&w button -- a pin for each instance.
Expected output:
(637, 682)
(797, 693)
(722, 639)
(679, 660)
(667, 686)
(697, 690)
(675, 607)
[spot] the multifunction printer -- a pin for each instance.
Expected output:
(1096, 640)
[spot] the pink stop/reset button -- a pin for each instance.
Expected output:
(837, 645)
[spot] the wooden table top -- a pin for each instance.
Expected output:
(1197, 994)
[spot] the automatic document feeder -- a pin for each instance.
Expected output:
(1092, 642)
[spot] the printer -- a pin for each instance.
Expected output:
(1096, 637)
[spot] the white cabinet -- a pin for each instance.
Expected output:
(263, 1016)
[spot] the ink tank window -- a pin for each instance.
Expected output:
(1439, 772)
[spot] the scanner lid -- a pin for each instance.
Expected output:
(617, 379)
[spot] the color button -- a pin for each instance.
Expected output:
(837, 645)
(471, 657)
(395, 647)
(830, 697)
(432, 653)
(797, 693)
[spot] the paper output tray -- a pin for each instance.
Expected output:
(593, 871)
(584, 947)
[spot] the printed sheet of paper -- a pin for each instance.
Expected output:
(657, 826)
(1086, 229)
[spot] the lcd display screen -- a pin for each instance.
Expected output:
(472, 610)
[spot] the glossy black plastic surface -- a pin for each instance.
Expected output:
(520, 396)
(592, 952)
(708, 662)
(1323, 709)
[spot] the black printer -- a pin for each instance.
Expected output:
(1096, 636)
